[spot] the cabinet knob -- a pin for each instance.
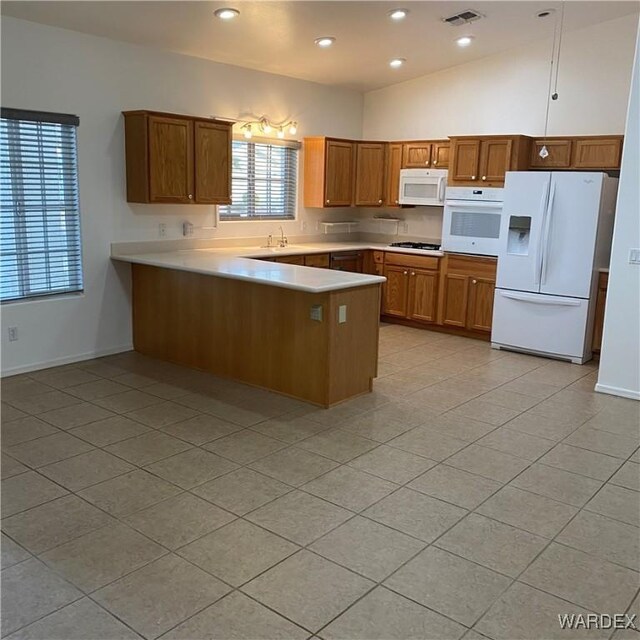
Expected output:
(328, 201)
(427, 163)
(405, 272)
(484, 177)
(435, 162)
(413, 273)
(397, 202)
(474, 281)
(190, 196)
(473, 177)
(379, 201)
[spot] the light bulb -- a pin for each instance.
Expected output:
(398, 14)
(293, 128)
(464, 41)
(266, 127)
(325, 41)
(397, 62)
(226, 13)
(280, 132)
(247, 132)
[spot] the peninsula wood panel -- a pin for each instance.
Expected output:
(258, 334)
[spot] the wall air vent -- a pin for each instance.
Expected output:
(464, 17)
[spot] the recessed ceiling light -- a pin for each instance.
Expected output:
(325, 41)
(398, 14)
(397, 62)
(226, 13)
(464, 41)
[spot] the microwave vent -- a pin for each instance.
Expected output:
(464, 17)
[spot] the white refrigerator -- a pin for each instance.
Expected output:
(556, 234)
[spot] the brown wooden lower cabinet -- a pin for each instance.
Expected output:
(411, 290)
(468, 284)
(299, 260)
(319, 260)
(601, 299)
(348, 261)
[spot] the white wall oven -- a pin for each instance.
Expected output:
(472, 220)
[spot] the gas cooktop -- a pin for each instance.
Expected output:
(425, 246)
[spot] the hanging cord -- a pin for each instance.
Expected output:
(557, 39)
(554, 96)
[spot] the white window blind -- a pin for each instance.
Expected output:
(39, 216)
(263, 182)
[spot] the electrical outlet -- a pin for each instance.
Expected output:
(303, 225)
(13, 334)
(342, 314)
(634, 256)
(162, 230)
(316, 312)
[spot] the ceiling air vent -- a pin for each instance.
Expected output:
(464, 17)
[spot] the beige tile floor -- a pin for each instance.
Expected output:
(474, 493)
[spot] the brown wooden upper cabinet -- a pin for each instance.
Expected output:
(591, 152)
(425, 154)
(329, 165)
(598, 152)
(177, 159)
(392, 174)
(370, 175)
(484, 160)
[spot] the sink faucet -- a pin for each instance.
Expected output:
(283, 239)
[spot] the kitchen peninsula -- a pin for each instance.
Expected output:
(308, 333)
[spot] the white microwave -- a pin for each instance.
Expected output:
(423, 186)
(472, 220)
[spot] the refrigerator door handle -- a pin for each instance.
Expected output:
(547, 232)
(536, 299)
(537, 263)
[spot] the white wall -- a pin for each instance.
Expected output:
(506, 93)
(620, 357)
(50, 69)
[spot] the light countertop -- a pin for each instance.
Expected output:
(237, 263)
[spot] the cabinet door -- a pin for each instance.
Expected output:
(559, 154)
(480, 306)
(423, 295)
(466, 159)
(440, 155)
(370, 174)
(455, 300)
(395, 291)
(416, 155)
(170, 160)
(392, 179)
(338, 189)
(597, 153)
(212, 144)
(495, 160)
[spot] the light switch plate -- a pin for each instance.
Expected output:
(342, 314)
(634, 256)
(316, 312)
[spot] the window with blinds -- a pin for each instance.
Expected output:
(263, 178)
(39, 216)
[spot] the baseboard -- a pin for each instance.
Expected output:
(57, 362)
(617, 391)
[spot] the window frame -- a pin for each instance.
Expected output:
(70, 187)
(275, 142)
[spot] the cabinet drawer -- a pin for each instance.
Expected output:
(378, 257)
(317, 260)
(472, 266)
(406, 260)
(291, 260)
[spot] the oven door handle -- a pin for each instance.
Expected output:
(465, 204)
